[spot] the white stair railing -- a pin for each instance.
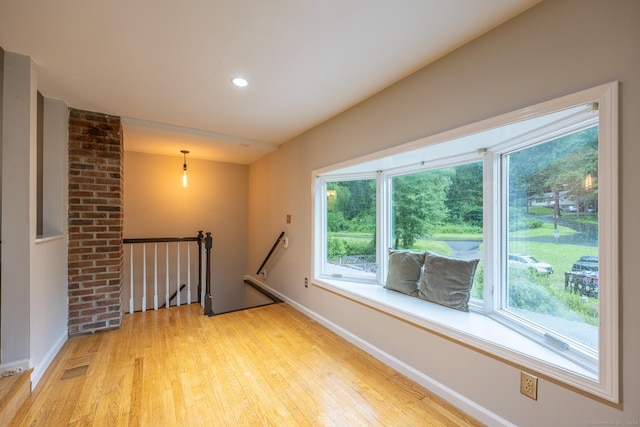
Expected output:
(147, 272)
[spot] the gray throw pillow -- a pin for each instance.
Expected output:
(447, 281)
(404, 271)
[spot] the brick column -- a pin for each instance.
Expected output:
(95, 222)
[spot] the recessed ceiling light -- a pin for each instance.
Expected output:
(239, 81)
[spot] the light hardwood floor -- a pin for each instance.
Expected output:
(268, 366)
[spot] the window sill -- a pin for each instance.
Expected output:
(474, 329)
(44, 239)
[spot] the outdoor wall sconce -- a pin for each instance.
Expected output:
(588, 182)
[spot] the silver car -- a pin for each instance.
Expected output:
(529, 263)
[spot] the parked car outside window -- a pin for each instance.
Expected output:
(527, 262)
(586, 263)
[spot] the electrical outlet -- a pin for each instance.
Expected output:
(529, 385)
(306, 282)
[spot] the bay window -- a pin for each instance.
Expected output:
(532, 195)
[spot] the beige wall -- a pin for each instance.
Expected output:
(216, 200)
(556, 48)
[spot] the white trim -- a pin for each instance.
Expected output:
(40, 368)
(45, 239)
(474, 329)
(606, 382)
(463, 403)
(608, 233)
(468, 132)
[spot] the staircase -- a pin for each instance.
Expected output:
(14, 391)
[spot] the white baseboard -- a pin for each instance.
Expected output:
(40, 368)
(470, 407)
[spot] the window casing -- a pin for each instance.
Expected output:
(494, 144)
(350, 200)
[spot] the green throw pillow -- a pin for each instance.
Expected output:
(447, 281)
(404, 271)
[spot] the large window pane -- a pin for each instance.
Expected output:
(351, 228)
(552, 243)
(440, 210)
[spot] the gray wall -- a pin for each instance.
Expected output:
(1, 122)
(48, 304)
(18, 203)
(34, 273)
(556, 48)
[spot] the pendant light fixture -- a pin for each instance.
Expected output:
(184, 168)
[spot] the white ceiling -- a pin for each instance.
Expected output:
(165, 66)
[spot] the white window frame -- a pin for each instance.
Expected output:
(321, 268)
(526, 350)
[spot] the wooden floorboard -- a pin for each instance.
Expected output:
(268, 366)
(14, 390)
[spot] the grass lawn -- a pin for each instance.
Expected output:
(354, 238)
(544, 292)
(433, 246)
(457, 236)
(546, 230)
(560, 256)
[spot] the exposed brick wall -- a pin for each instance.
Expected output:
(95, 222)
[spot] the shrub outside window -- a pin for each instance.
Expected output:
(440, 210)
(351, 229)
(551, 204)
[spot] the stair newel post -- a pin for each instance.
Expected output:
(200, 237)
(208, 308)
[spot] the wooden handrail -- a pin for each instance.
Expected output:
(263, 291)
(161, 239)
(200, 239)
(273, 248)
